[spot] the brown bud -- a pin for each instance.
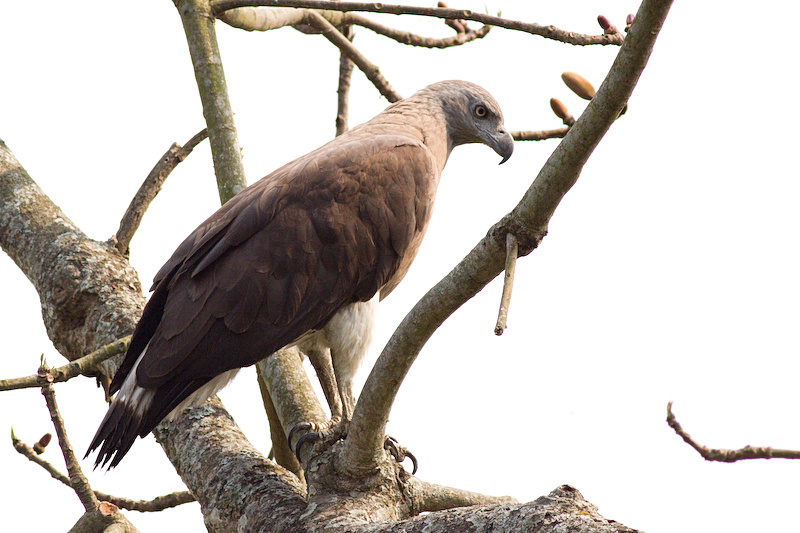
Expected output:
(628, 21)
(42, 444)
(560, 110)
(608, 28)
(579, 85)
(442, 4)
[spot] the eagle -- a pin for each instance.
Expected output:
(300, 258)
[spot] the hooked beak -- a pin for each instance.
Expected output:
(503, 144)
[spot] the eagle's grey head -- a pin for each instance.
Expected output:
(473, 116)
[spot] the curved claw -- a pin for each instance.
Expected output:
(302, 426)
(399, 452)
(313, 436)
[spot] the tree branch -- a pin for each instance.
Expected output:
(539, 135)
(77, 480)
(371, 71)
(548, 32)
(564, 509)
(82, 308)
(432, 497)
(343, 87)
(512, 250)
(156, 504)
(237, 487)
(150, 188)
(528, 221)
(75, 368)
(198, 25)
(417, 40)
(728, 456)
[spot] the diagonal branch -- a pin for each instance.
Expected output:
(77, 479)
(371, 71)
(548, 32)
(528, 221)
(151, 187)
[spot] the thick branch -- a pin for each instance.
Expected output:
(728, 456)
(528, 221)
(83, 308)
(548, 32)
(564, 509)
(432, 497)
(198, 25)
(237, 487)
(291, 391)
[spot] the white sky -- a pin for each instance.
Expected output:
(670, 270)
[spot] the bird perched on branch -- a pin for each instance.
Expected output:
(300, 257)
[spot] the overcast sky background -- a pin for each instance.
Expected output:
(670, 271)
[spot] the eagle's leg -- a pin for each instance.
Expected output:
(323, 366)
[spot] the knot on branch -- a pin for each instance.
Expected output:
(528, 238)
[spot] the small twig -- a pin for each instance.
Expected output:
(77, 480)
(370, 70)
(548, 32)
(156, 504)
(512, 251)
(417, 40)
(539, 135)
(728, 456)
(150, 188)
(72, 369)
(343, 89)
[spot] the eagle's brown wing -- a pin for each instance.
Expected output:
(280, 259)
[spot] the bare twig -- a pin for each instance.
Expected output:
(151, 187)
(548, 32)
(72, 369)
(77, 480)
(411, 39)
(539, 135)
(728, 456)
(512, 250)
(156, 504)
(371, 71)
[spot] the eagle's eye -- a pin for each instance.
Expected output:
(480, 111)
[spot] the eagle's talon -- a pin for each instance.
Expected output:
(400, 453)
(301, 426)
